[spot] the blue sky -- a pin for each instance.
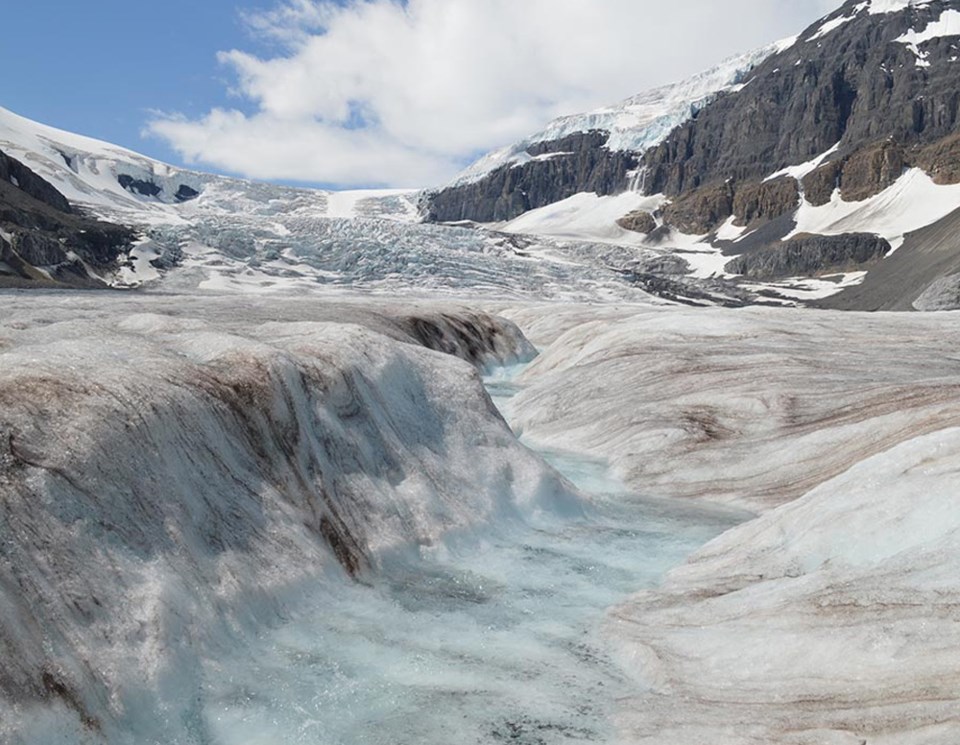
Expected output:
(355, 92)
(98, 67)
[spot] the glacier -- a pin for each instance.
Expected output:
(324, 473)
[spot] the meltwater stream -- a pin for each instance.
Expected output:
(493, 640)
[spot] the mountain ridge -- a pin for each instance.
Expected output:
(829, 134)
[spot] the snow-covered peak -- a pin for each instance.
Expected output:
(124, 186)
(639, 122)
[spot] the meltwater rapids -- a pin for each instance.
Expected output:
(491, 638)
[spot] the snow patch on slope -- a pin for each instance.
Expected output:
(948, 24)
(802, 170)
(584, 216)
(880, 7)
(913, 202)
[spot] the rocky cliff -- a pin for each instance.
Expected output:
(44, 240)
(556, 170)
(859, 87)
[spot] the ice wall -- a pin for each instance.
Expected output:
(172, 469)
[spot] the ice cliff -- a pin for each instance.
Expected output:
(172, 469)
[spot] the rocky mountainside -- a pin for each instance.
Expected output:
(820, 156)
(598, 151)
(44, 240)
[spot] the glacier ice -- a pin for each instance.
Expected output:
(176, 471)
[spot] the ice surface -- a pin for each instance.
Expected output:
(833, 617)
(493, 638)
(750, 407)
(830, 620)
(176, 471)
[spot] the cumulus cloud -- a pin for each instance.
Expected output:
(405, 93)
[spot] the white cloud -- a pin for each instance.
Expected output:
(404, 93)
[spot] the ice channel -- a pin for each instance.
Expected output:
(490, 639)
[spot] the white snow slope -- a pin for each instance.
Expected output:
(86, 172)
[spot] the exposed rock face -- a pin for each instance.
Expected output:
(149, 188)
(700, 211)
(139, 186)
(766, 200)
(44, 231)
(811, 255)
(941, 160)
(871, 170)
(559, 169)
(639, 221)
(14, 173)
(186, 193)
(819, 185)
(855, 85)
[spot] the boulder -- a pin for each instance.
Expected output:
(638, 221)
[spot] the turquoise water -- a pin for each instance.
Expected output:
(495, 639)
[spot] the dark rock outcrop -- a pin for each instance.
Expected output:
(49, 241)
(811, 255)
(871, 170)
(139, 186)
(766, 200)
(638, 221)
(560, 169)
(186, 193)
(941, 160)
(700, 211)
(17, 175)
(855, 86)
(819, 185)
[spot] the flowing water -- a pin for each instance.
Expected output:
(492, 639)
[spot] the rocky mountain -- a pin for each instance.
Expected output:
(820, 156)
(597, 151)
(44, 240)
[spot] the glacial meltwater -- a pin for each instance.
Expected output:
(495, 638)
